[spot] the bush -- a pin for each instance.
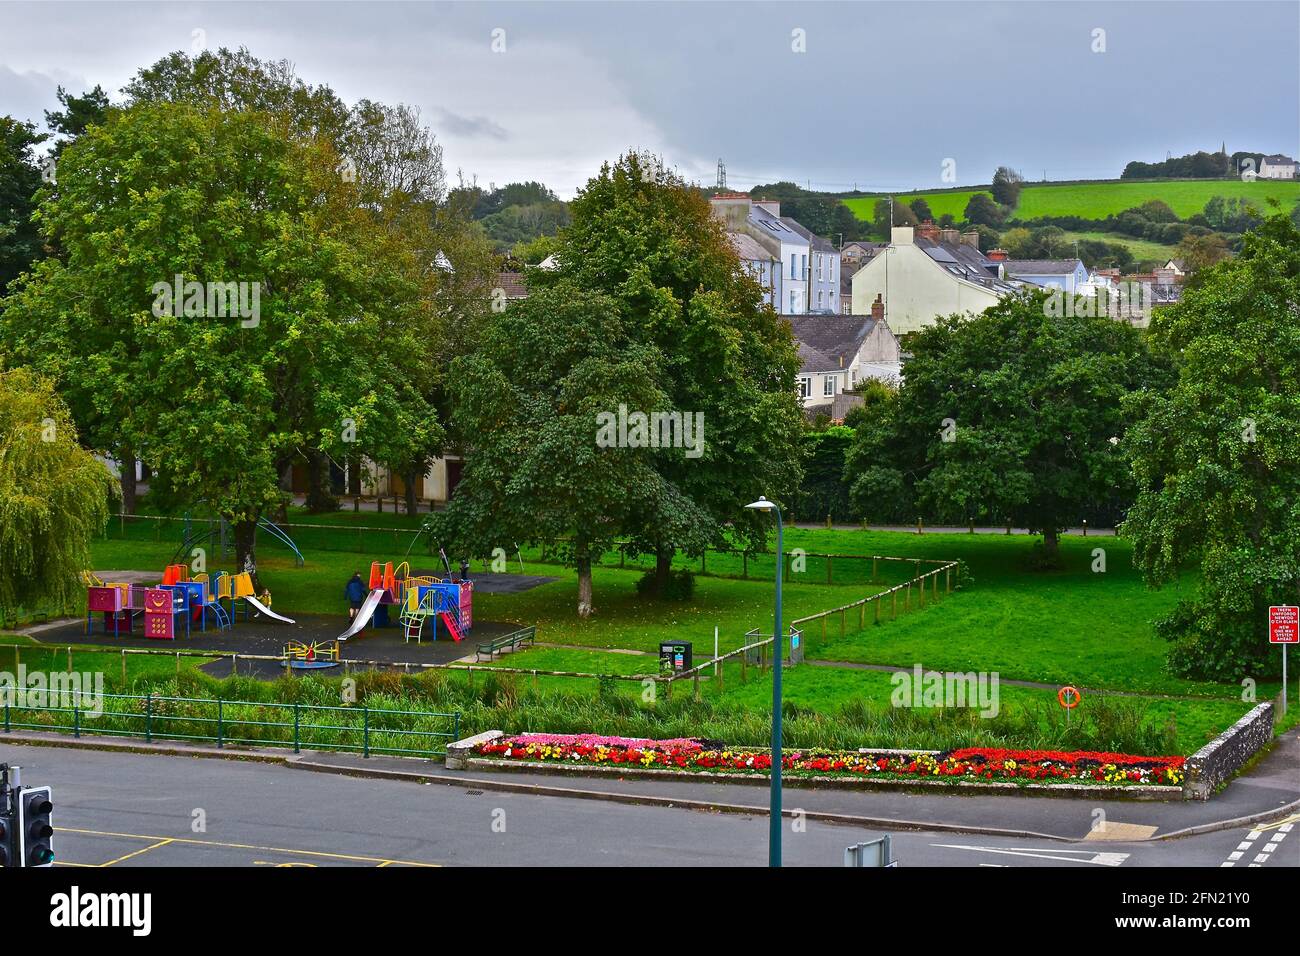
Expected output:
(680, 586)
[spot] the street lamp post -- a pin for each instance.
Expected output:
(774, 822)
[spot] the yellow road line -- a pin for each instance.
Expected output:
(246, 846)
(1274, 826)
(138, 852)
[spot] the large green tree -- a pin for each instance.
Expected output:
(53, 498)
(220, 404)
(395, 164)
(1217, 457)
(20, 178)
(1014, 415)
(531, 396)
(649, 243)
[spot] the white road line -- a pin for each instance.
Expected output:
(1097, 859)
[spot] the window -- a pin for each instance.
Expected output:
(819, 267)
(794, 301)
(793, 275)
(821, 298)
(803, 263)
(805, 386)
(828, 385)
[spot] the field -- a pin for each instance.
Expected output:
(1142, 249)
(1097, 200)
(1073, 626)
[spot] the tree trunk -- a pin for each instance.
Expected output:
(663, 567)
(409, 479)
(245, 540)
(1051, 546)
(319, 498)
(126, 460)
(583, 564)
(354, 476)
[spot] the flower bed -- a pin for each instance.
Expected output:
(976, 764)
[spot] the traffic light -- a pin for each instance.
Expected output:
(7, 857)
(35, 828)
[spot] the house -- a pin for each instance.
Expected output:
(837, 352)
(926, 273)
(809, 266)
(510, 286)
(1277, 166)
(1068, 275)
(823, 272)
(854, 254)
(761, 263)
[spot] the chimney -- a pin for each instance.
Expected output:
(971, 239)
(771, 205)
(998, 255)
(928, 230)
(900, 236)
(878, 309)
(949, 235)
(731, 208)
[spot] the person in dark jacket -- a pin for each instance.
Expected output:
(356, 592)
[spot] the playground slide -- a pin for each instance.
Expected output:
(260, 609)
(450, 623)
(364, 615)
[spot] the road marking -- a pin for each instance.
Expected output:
(138, 852)
(1283, 827)
(1095, 858)
(161, 840)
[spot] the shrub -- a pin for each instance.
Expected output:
(680, 586)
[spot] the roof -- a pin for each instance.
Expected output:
(864, 245)
(829, 342)
(966, 262)
(1279, 160)
(512, 284)
(1041, 267)
(817, 243)
(747, 247)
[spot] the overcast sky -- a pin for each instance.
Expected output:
(883, 94)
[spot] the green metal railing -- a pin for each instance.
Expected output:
(365, 730)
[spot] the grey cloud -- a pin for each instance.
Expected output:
(445, 122)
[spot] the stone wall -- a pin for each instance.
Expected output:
(1227, 753)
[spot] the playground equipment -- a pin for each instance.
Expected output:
(299, 655)
(421, 602)
(172, 606)
(196, 535)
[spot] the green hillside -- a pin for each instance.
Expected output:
(950, 201)
(1097, 200)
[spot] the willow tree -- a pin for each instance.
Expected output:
(53, 498)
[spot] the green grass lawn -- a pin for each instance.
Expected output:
(828, 689)
(1070, 626)
(1142, 249)
(1097, 200)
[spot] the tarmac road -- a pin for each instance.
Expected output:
(129, 810)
